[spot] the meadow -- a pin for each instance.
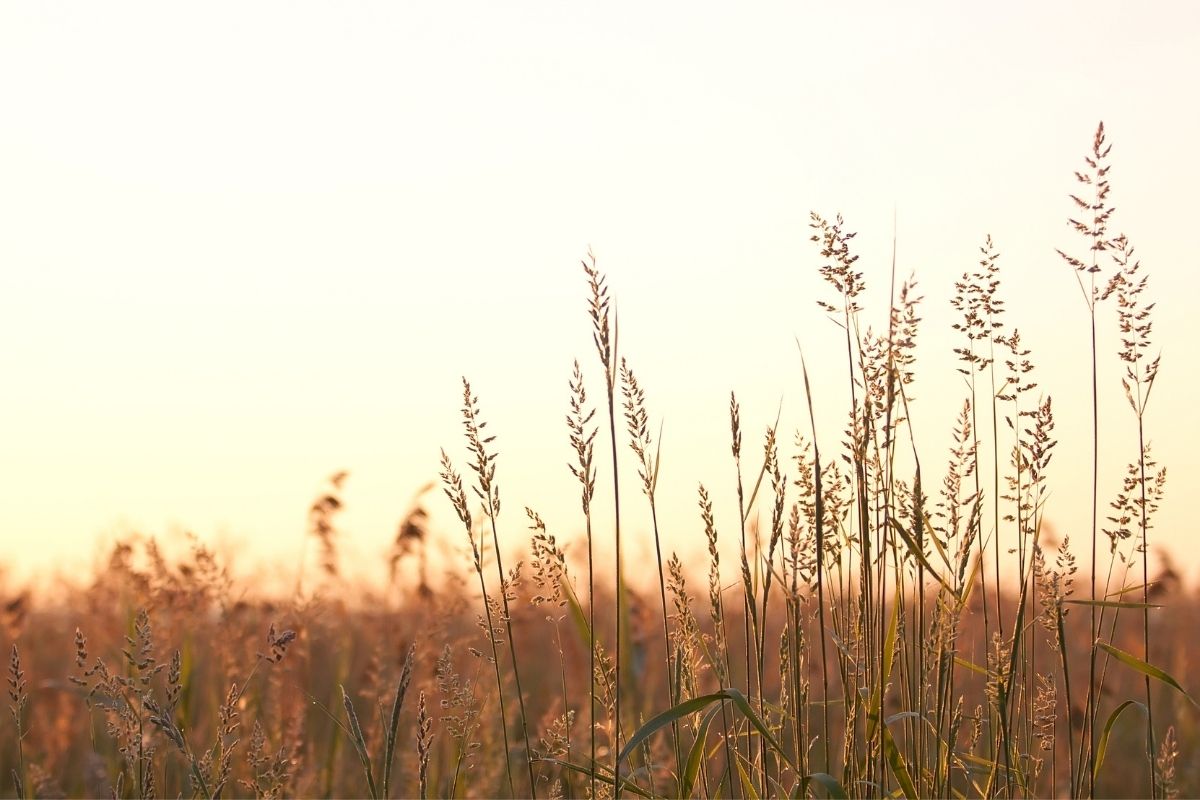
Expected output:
(897, 620)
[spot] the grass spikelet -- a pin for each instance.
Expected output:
(424, 744)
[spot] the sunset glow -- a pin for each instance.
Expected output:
(474, 399)
(247, 246)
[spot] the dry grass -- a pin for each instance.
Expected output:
(865, 643)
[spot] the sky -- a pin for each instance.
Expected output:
(245, 246)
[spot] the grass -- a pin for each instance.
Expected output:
(870, 643)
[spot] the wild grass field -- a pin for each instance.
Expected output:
(902, 623)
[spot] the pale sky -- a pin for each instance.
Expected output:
(246, 245)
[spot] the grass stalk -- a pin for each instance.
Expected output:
(453, 487)
(488, 492)
(637, 422)
(604, 336)
(582, 441)
(1094, 228)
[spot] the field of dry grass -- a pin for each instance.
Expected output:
(863, 643)
(289, 733)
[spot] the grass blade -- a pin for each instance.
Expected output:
(360, 743)
(747, 786)
(1146, 669)
(896, 763)
(394, 720)
(1102, 748)
(696, 704)
(578, 615)
(696, 754)
(742, 703)
(1112, 604)
(662, 720)
(600, 774)
(828, 782)
(919, 555)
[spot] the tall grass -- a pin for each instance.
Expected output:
(901, 624)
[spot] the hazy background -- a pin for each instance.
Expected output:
(243, 246)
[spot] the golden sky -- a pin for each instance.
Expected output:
(245, 245)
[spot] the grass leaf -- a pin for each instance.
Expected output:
(359, 741)
(828, 782)
(687, 707)
(600, 774)
(662, 720)
(696, 754)
(896, 764)
(747, 786)
(919, 555)
(1102, 747)
(1146, 669)
(1112, 604)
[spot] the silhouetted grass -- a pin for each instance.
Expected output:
(870, 644)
